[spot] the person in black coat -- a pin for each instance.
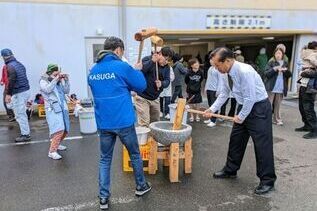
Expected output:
(277, 74)
(194, 79)
(179, 71)
(307, 91)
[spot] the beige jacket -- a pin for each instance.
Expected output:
(309, 64)
(309, 58)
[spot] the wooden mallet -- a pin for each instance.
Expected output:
(141, 36)
(157, 42)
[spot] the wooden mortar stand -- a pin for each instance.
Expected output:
(173, 153)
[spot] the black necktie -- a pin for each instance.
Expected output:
(230, 82)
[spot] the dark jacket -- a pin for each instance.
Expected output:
(179, 72)
(193, 81)
(18, 81)
(261, 61)
(149, 70)
(271, 76)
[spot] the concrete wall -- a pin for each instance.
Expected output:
(228, 4)
(40, 34)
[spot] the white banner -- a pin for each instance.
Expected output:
(238, 22)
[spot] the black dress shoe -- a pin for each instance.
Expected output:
(224, 174)
(310, 135)
(302, 129)
(263, 189)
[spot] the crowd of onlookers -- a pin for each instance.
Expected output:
(273, 70)
(176, 77)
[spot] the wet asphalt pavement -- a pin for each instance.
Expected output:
(29, 180)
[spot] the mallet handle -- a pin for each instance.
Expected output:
(210, 114)
(156, 66)
(140, 50)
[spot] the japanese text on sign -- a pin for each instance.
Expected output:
(238, 22)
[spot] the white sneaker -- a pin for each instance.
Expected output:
(211, 124)
(54, 155)
(191, 119)
(167, 116)
(207, 121)
(197, 119)
(161, 114)
(62, 147)
(280, 123)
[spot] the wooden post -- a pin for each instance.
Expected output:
(166, 162)
(179, 114)
(152, 156)
(174, 162)
(188, 156)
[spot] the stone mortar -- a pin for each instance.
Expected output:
(163, 133)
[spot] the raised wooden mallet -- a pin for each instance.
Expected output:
(141, 36)
(157, 42)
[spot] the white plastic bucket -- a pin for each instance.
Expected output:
(172, 108)
(87, 121)
(142, 133)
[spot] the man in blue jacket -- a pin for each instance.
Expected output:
(111, 80)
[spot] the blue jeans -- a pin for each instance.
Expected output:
(129, 139)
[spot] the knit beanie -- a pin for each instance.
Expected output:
(51, 68)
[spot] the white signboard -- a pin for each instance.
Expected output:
(238, 22)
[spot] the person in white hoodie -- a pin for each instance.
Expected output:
(165, 97)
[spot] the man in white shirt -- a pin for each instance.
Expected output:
(254, 118)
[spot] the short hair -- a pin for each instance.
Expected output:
(176, 57)
(37, 96)
(112, 43)
(167, 51)
(224, 53)
(192, 61)
(312, 45)
(211, 55)
(278, 49)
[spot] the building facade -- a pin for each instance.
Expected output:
(70, 32)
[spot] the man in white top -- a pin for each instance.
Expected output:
(254, 118)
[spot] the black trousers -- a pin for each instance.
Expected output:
(232, 110)
(306, 108)
(258, 125)
(164, 102)
(211, 97)
(178, 92)
(10, 112)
